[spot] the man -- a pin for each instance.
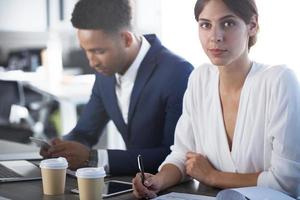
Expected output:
(139, 86)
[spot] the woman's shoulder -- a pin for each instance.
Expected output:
(271, 68)
(273, 74)
(272, 71)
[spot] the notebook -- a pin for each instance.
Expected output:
(18, 170)
(253, 193)
(244, 193)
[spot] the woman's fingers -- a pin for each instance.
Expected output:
(140, 190)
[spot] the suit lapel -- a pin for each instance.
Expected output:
(109, 94)
(144, 74)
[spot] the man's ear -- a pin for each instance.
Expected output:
(253, 26)
(127, 38)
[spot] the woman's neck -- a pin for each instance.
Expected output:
(233, 76)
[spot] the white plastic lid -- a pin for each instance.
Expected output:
(90, 172)
(54, 163)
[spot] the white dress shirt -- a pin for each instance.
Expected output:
(267, 131)
(124, 86)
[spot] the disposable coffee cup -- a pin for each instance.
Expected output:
(90, 182)
(54, 175)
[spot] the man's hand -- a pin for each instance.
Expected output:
(199, 167)
(44, 152)
(76, 153)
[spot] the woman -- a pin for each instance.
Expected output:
(241, 120)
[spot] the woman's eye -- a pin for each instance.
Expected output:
(205, 25)
(228, 24)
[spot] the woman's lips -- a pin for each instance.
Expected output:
(217, 52)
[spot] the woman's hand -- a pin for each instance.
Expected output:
(149, 189)
(199, 167)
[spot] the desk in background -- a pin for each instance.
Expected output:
(70, 92)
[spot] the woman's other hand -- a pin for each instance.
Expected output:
(199, 167)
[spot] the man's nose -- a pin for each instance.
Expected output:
(93, 61)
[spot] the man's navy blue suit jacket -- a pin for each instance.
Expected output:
(155, 107)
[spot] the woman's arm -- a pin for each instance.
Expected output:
(169, 175)
(199, 167)
(282, 137)
(231, 180)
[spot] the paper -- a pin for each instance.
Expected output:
(253, 193)
(263, 193)
(183, 196)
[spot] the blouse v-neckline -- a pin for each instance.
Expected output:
(237, 135)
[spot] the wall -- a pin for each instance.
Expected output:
(147, 16)
(29, 15)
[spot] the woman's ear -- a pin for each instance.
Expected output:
(127, 38)
(253, 26)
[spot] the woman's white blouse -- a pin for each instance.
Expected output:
(267, 132)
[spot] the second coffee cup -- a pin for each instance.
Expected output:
(54, 175)
(90, 182)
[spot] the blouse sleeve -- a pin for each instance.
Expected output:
(283, 135)
(184, 136)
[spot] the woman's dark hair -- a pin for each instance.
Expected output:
(107, 15)
(245, 9)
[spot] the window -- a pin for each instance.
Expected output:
(278, 38)
(16, 15)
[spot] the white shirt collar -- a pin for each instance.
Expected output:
(131, 72)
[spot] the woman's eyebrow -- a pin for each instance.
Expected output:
(222, 18)
(228, 16)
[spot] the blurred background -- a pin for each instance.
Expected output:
(42, 94)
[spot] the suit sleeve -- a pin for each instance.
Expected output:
(153, 157)
(92, 120)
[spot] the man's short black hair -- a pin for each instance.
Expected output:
(107, 15)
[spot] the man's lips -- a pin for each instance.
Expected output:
(99, 69)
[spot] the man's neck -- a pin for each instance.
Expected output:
(133, 52)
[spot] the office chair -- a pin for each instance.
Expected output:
(23, 112)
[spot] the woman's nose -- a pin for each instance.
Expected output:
(217, 34)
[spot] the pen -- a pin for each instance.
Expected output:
(141, 168)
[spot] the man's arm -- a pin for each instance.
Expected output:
(92, 120)
(76, 145)
(124, 162)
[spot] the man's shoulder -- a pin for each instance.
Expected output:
(171, 61)
(163, 56)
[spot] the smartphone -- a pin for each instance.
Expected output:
(112, 187)
(40, 142)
